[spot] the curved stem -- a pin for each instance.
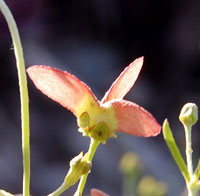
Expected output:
(61, 189)
(23, 95)
(92, 149)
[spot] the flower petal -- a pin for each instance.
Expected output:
(124, 82)
(96, 192)
(63, 88)
(133, 119)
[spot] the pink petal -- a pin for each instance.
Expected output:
(124, 82)
(96, 192)
(63, 88)
(134, 120)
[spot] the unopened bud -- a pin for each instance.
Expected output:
(189, 114)
(78, 167)
(76, 160)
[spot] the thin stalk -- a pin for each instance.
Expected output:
(92, 149)
(61, 189)
(23, 95)
(188, 149)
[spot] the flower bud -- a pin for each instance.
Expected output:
(78, 167)
(189, 114)
(76, 160)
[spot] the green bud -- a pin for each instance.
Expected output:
(78, 167)
(189, 114)
(83, 120)
(76, 160)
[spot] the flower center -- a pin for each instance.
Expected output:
(97, 130)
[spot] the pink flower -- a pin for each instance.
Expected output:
(96, 192)
(98, 119)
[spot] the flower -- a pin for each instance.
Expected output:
(96, 192)
(97, 119)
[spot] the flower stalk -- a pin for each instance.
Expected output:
(92, 149)
(188, 117)
(188, 149)
(79, 166)
(23, 94)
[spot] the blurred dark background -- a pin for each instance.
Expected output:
(95, 40)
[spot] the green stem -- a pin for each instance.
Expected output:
(23, 95)
(92, 149)
(188, 149)
(61, 189)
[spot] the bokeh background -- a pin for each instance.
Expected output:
(95, 40)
